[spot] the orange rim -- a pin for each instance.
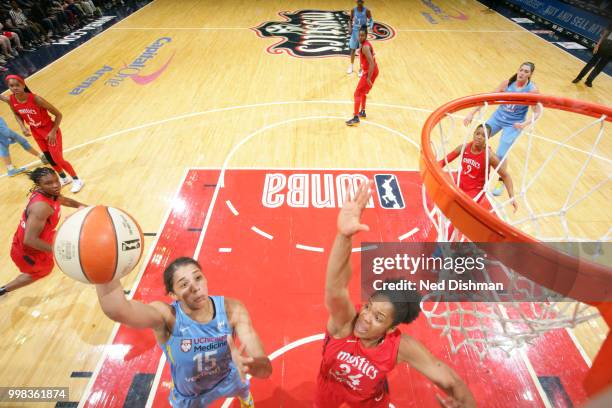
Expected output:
(564, 274)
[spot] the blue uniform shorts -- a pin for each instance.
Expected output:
(8, 137)
(230, 386)
(509, 133)
(354, 41)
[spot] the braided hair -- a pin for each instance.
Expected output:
(37, 174)
(406, 303)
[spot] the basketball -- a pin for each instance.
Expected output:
(98, 244)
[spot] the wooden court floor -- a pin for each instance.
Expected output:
(131, 142)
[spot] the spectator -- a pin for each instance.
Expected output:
(12, 36)
(7, 50)
(38, 15)
(22, 23)
(602, 53)
(21, 20)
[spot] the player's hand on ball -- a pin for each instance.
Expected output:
(241, 361)
(349, 219)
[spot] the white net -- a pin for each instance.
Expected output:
(561, 184)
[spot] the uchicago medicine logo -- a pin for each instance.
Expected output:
(316, 33)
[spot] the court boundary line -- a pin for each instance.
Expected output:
(277, 103)
(279, 352)
(406, 30)
(221, 184)
(142, 268)
(81, 45)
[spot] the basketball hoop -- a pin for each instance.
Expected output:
(554, 270)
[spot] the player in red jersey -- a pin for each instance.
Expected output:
(370, 73)
(34, 110)
(472, 179)
(31, 250)
(363, 344)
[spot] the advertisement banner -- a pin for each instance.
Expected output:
(567, 17)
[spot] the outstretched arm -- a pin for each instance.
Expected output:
(451, 156)
(537, 111)
(256, 362)
(337, 301)
(500, 88)
(411, 351)
(130, 312)
(69, 202)
(370, 19)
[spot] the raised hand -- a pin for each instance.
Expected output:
(349, 219)
(241, 361)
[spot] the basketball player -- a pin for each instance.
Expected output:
(215, 368)
(510, 119)
(33, 110)
(370, 69)
(360, 16)
(362, 345)
(473, 167)
(32, 243)
(7, 138)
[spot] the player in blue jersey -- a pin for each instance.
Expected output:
(360, 16)
(510, 119)
(195, 332)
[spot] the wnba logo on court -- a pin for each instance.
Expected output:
(316, 33)
(389, 193)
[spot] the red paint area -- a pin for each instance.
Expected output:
(282, 286)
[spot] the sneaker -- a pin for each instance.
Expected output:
(362, 114)
(43, 159)
(353, 122)
(28, 49)
(3, 291)
(575, 81)
(360, 74)
(65, 180)
(589, 84)
(349, 69)
(77, 185)
(248, 402)
(15, 171)
(499, 188)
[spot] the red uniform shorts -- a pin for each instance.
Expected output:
(362, 87)
(38, 266)
(40, 135)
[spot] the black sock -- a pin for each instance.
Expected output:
(75, 178)
(62, 175)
